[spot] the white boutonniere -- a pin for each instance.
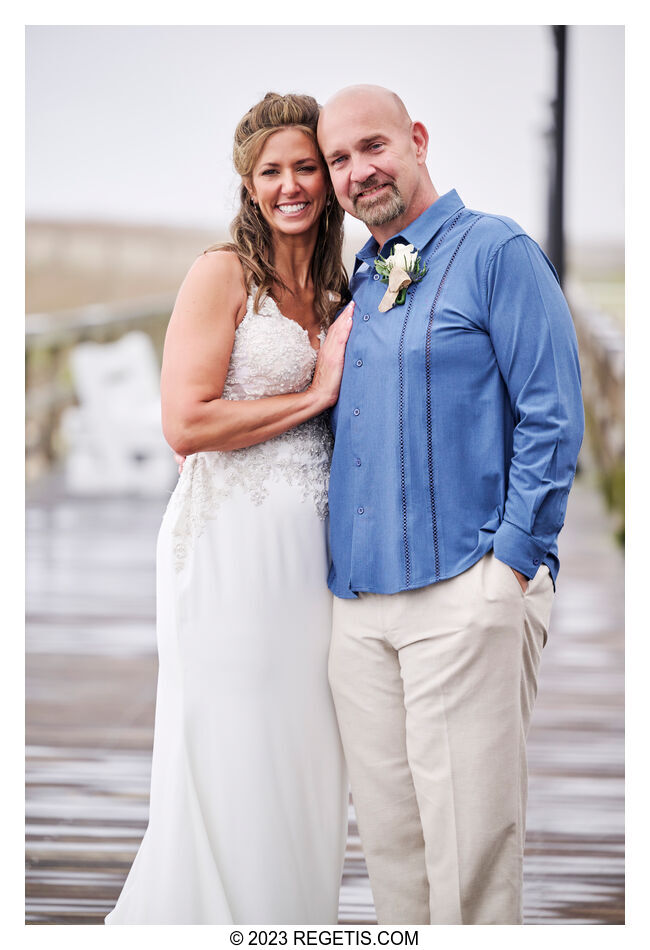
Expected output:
(402, 268)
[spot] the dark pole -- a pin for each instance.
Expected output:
(556, 194)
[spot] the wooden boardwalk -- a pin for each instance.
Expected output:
(91, 677)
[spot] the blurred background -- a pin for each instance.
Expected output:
(128, 178)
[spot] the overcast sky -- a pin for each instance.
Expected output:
(135, 123)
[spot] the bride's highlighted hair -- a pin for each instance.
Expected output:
(251, 235)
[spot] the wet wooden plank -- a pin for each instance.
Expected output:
(91, 676)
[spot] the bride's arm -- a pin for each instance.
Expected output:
(197, 352)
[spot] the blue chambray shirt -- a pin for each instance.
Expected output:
(460, 415)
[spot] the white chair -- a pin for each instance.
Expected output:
(114, 437)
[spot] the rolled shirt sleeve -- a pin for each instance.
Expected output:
(537, 353)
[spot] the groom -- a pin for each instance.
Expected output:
(456, 436)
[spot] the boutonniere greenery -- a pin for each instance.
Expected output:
(402, 268)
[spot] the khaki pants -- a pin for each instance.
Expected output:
(434, 690)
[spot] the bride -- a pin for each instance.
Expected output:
(248, 805)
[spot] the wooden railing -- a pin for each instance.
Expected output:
(602, 359)
(48, 340)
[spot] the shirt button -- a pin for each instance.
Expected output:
(366, 317)
(536, 561)
(376, 277)
(359, 362)
(355, 412)
(357, 462)
(360, 511)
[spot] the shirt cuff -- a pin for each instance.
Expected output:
(517, 549)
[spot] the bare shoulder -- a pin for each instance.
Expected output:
(221, 261)
(218, 271)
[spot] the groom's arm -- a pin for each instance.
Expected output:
(535, 344)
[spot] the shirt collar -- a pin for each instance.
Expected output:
(418, 232)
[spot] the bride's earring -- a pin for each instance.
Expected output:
(328, 208)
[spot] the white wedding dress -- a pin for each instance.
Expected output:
(248, 806)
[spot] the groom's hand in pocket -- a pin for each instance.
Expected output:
(523, 580)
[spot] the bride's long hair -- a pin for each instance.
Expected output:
(251, 234)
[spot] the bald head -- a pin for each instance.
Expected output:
(365, 95)
(376, 157)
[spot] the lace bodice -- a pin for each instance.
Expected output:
(271, 355)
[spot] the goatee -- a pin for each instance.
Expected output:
(387, 206)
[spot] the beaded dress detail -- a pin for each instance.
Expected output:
(271, 355)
